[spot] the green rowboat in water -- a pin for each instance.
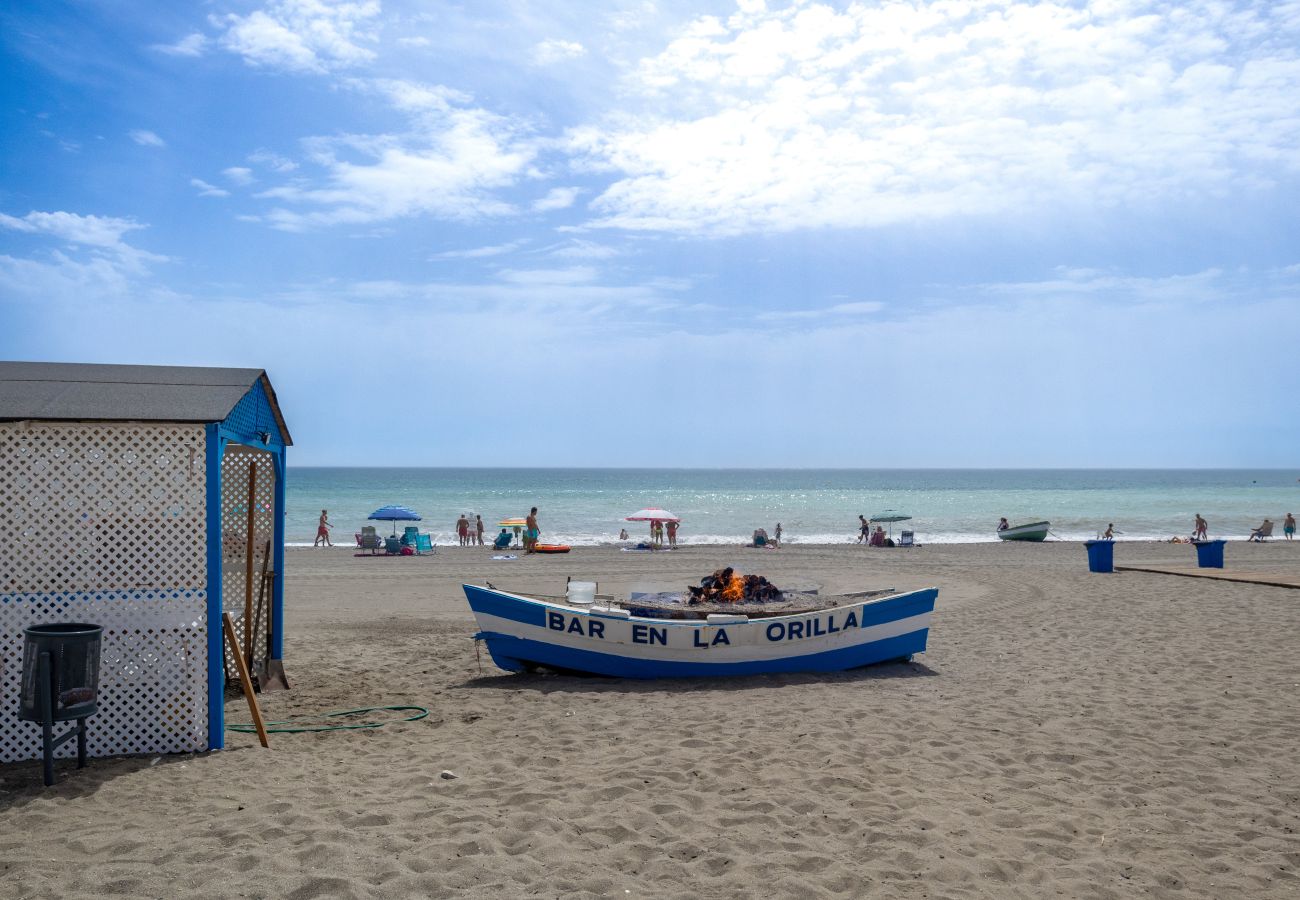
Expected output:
(1034, 531)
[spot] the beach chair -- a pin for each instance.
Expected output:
(409, 534)
(424, 544)
(502, 541)
(392, 545)
(1263, 532)
(368, 540)
(906, 539)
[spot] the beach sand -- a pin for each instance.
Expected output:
(1067, 734)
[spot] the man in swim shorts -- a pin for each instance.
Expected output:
(531, 532)
(323, 529)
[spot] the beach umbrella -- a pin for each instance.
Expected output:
(517, 523)
(394, 514)
(888, 516)
(653, 514)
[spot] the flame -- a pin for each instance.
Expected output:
(734, 592)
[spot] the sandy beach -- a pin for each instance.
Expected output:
(1067, 734)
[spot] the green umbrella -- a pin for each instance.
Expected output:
(888, 516)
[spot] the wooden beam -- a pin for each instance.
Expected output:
(245, 679)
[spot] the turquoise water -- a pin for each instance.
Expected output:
(587, 506)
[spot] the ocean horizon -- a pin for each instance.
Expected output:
(588, 506)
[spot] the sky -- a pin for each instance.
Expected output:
(637, 233)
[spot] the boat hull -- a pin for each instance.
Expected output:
(1034, 531)
(523, 633)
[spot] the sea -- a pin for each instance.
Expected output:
(583, 507)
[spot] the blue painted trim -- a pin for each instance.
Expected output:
(234, 436)
(533, 612)
(514, 654)
(277, 591)
(530, 612)
(216, 445)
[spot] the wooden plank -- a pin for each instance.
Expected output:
(244, 678)
(248, 562)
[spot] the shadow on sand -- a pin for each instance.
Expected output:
(552, 682)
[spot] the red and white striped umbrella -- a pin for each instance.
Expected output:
(653, 514)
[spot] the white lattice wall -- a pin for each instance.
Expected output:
(235, 465)
(106, 523)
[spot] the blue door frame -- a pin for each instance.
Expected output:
(218, 436)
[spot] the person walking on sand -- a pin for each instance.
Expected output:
(1288, 526)
(864, 529)
(323, 529)
(672, 534)
(478, 525)
(462, 529)
(1202, 529)
(531, 531)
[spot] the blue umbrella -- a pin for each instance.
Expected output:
(395, 514)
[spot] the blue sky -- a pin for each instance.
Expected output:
(679, 234)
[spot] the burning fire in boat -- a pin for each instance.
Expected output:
(729, 586)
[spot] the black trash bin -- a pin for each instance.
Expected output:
(60, 683)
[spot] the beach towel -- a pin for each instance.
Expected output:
(505, 556)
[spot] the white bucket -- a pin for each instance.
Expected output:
(582, 593)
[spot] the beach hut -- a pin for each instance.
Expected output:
(125, 502)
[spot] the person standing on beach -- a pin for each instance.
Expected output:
(1110, 532)
(1288, 526)
(462, 529)
(864, 529)
(776, 534)
(531, 531)
(323, 529)
(478, 524)
(1202, 529)
(672, 534)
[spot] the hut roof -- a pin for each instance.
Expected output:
(89, 392)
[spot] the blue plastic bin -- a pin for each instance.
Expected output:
(1209, 554)
(1101, 556)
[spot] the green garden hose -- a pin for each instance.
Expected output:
(418, 712)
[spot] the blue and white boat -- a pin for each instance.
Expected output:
(525, 633)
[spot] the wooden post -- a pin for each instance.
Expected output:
(248, 567)
(255, 663)
(244, 678)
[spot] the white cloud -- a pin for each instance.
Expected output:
(812, 116)
(450, 165)
(581, 249)
(302, 35)
(273, 161)
(481, 252)
(568, 276)
(414, 41)
(239, 175)
(557, 198)
(553, 51)
(190, 45)
(208, 190)
(93, 231)
(100, 236)
(841, 310)
(146, 138)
